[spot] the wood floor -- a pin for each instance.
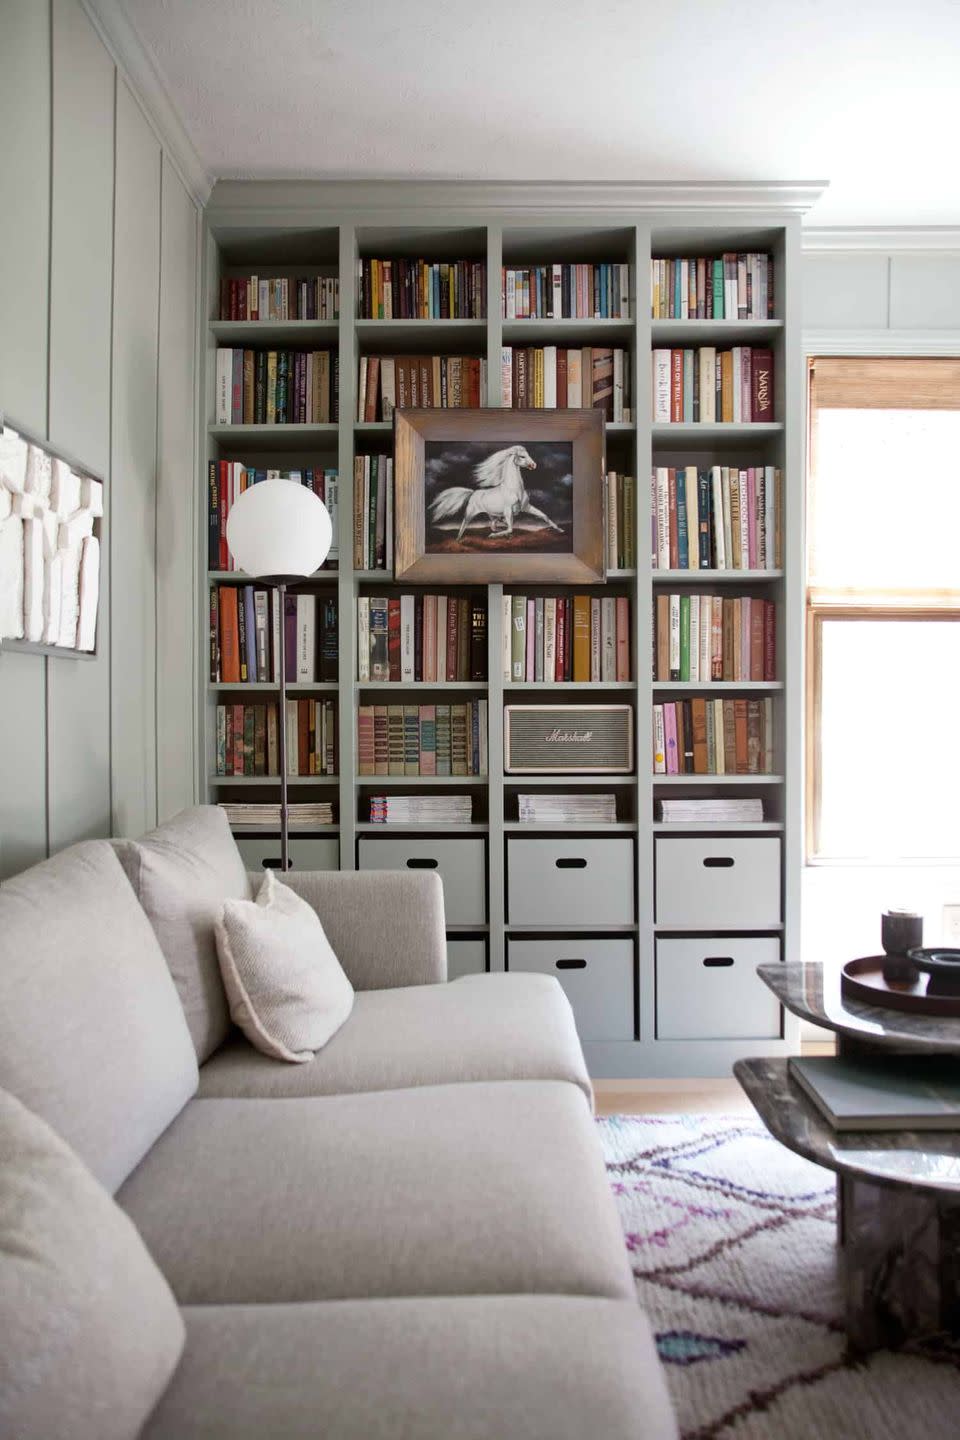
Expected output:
(681, 1097)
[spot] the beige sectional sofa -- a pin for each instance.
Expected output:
(410, 1236)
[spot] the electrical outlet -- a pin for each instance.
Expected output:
(951, 926)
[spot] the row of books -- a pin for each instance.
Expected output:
(226, 482)
(421, 809)
(245, 636)
(279, 297)
(566, 292)
(422, 739)
(723, 518)
(709, 637)
(713, 737)
(541, 809)
(555, 638)
(621, 521)
(277, 387)
(242, 815)
(389, 382)
(719, 287)
(707, 385)
(738, 810)
(248, 741)
(372, 512)
(429, 638)
(422, 289)
(548, 377)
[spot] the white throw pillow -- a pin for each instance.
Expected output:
(285, 986)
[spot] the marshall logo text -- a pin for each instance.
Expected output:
(564, 737)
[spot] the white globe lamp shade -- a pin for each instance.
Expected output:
(279, 529)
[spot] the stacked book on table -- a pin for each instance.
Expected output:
(567, 809)
(421, 809)
(732, 812)
(267, 817)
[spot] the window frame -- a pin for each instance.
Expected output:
(850, 603)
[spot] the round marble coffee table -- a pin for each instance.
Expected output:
(898, 1191)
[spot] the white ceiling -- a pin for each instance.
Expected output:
(864, 95)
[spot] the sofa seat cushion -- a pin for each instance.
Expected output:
(440, 1190)
(182, 873)
(483, 1027)
(91, 1333)
(468, 1368)
(92, 1035)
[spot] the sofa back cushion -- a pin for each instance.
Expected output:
(182, 873)
(91, 1332)
(92, 1035)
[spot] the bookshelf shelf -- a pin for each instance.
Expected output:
(713, 577)
(443, 332)
(708, 687)
(419, 781)
(417, 687)
(566, 331)
(299, 226)
(725, 780)
(716, 432)
(272, 780)
(714, 332)
(267, 832)
(716, 827)
(561, 687)
(369, 827)
(240, 577)
(292, 333)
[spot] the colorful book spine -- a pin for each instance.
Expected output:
(246, 739)
(558, 638)
(733, 286)
(706, 736)
(424, 638)
(279, 297)
(422, 740)
(686, 385)
(724, 518)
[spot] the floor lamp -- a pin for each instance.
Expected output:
(279, 532)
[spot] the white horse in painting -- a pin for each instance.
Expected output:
(500, 494)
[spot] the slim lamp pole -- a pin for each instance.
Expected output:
(282, 727)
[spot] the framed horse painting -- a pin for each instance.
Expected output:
(499, 495)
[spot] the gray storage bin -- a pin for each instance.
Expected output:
(306, 852)
(708, 988)
(597, 976)
(466, 957)
(716, 881)
(570, 881)
(459, 863)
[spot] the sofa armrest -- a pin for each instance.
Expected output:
(387, 927)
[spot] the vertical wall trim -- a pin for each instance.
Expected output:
(106, 620)
(156, 511)
(45, 663)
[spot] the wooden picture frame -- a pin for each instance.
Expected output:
(467, 512)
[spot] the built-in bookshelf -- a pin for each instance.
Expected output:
(436, 295)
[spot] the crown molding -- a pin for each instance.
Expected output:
(885, 239)
(285, 200)
(881, 342)
(134, 59)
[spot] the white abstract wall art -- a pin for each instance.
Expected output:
(50, 518)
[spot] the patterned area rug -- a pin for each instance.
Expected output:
(731, 1238)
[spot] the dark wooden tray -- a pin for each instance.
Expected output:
(863, 980)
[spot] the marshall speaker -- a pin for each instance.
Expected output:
(568, 739)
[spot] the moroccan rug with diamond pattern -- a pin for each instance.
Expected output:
(731, 1238)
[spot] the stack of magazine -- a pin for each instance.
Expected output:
(421, 809)
(267, 817)
(567, 809)
(725, 811)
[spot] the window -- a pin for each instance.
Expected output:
(883, 606)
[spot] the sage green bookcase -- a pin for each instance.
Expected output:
(667, 1011)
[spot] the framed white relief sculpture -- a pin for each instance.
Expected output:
(51, 521)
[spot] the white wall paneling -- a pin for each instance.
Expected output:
(133, 470)
(81, 270)
(24, 304)
(176, 520)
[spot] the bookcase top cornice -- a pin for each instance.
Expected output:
(289, 202)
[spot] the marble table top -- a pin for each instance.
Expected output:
(813, 993)
(927, 1160)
